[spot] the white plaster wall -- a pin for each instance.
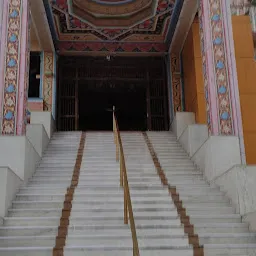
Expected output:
(9, 184)
(193, 137)
(32, 159)
(251, 219)
(199, 156)
(217, 155)
(45, 118)
(222, 153)
(38, 137)
(240, 184)
(19, 155)
(181, 121)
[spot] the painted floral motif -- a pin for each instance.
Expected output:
(12, 68)
(204, 61)
(176, 83)
(48, 80)
(70, 28)
(220, 70)
(10, 123)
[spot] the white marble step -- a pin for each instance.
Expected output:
(94, 179)
(138, 221)
(93, 183)
(81, 251)
(220, 218)
(178, 168)
(94, 211)
(36, 204)
(145, 231)
(120, 214)
(26, 251)
(101, 188)
(54, 161)
(221, 228)
(195, 192)
(60, 156)
(215, 209)
(28, 231)
(229, 249)
(31, 221)
(94, 193)
(126, 241)
(82, 204)
(57, 164)
(203, 198)
(27, 241)
(226, 238)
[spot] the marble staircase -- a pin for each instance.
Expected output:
(95, 225)
(220, 229)
(32, 223)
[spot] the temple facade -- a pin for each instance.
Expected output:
(207, 49)
(127, 127)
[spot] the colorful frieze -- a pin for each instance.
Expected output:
(48, 80)
(112, 47)
(176, 83)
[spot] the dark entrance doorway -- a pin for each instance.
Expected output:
(90, 86)
(95, 107)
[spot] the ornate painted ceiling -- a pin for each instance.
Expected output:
(123, 26)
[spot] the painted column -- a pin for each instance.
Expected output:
(176, 83)
(14, 80)
(219, 70)
(3, 22)
(49, 81)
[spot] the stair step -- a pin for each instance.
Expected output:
(226, 238)
(79, 251)
(221, 227)
(221, 218)
(229, 249)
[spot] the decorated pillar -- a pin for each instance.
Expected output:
(48, 80)
(219, 70)
(176, 83)
(15, 65)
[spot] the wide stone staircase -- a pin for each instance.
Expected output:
(157, 222)
(95, 223)
(32, 223)
(220, 230)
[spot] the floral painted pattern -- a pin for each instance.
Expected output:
(11, 68)
(220, 68)
(13, 99)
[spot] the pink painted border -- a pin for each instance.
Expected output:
(2, 52)
(211, 76)
(233, 81)
(22, 70)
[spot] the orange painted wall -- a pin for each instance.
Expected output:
(34, 44)
(246, 71)
(193, 75)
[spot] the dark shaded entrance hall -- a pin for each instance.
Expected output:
(95, 108)
(90, 86)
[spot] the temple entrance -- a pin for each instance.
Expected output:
(89, 87)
